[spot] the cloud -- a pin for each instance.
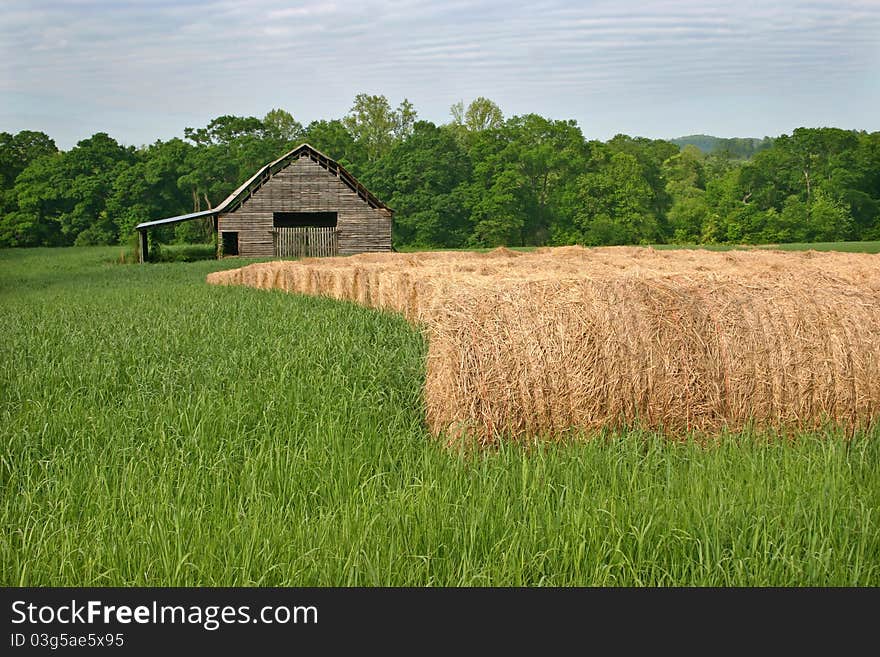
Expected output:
(153, 67)
(314, 9)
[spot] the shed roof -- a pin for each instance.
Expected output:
(257, 180)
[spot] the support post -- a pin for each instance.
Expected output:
(218, 238)
(145, 249)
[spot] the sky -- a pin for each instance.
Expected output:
(143, 71)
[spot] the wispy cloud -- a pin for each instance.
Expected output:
(303, 11)
(144, 70)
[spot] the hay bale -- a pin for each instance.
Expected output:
(543, 359)
(544, 343)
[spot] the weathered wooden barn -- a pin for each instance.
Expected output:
(302, 204)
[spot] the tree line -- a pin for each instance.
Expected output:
(737, 147)
(480, 180)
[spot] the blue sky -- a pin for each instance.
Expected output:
(145, 70)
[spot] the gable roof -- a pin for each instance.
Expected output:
(252, 184)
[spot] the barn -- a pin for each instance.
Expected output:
(303, 204)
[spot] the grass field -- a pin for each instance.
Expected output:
(160, 431)
(847, 247)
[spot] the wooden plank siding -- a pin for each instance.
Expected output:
(306, 186)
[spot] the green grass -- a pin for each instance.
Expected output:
(160, 431)
(183, 252)
(848, 247)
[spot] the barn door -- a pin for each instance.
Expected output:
(305, 242)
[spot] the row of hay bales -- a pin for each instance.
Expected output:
(539, 344)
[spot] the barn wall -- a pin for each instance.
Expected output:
(305, 186)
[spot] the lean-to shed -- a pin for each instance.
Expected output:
(302, 204)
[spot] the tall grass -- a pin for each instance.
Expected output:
(160, 431)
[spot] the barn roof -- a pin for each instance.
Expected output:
(262, 176)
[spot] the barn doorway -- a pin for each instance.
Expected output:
(304, 234)
(230, 243)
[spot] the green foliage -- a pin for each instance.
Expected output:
(373, 123)
(154, 187)
(334, 139)
(228, 151)
(225, 130)
(159, 431)
(480, 181)
(616, 202)
(806, 187)
(829, 219)
(185, 253)
(736, 147)
(420, 178)
(481, 114)
(524, 179)
(280, 126)
(19, 150)
(61, 195)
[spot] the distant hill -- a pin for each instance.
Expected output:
(738, 147)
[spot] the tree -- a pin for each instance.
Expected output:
(154, 187)
(88, 173)
(791, 224)
(830, 219)
(33, 216)
(685, 186)
(478, 181)
(213, 172)
(281, 127)
(226, 130)
(61, 198)
(481, 114)
(420, 179)
(616, 203)
(404, 120)
(772, 197)
(334, 139)
(524, 174)
(497, 214)
(375, 126)
(650, 154)
(457, 112)
(228, 151)
(371, 122)
(19, 150)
